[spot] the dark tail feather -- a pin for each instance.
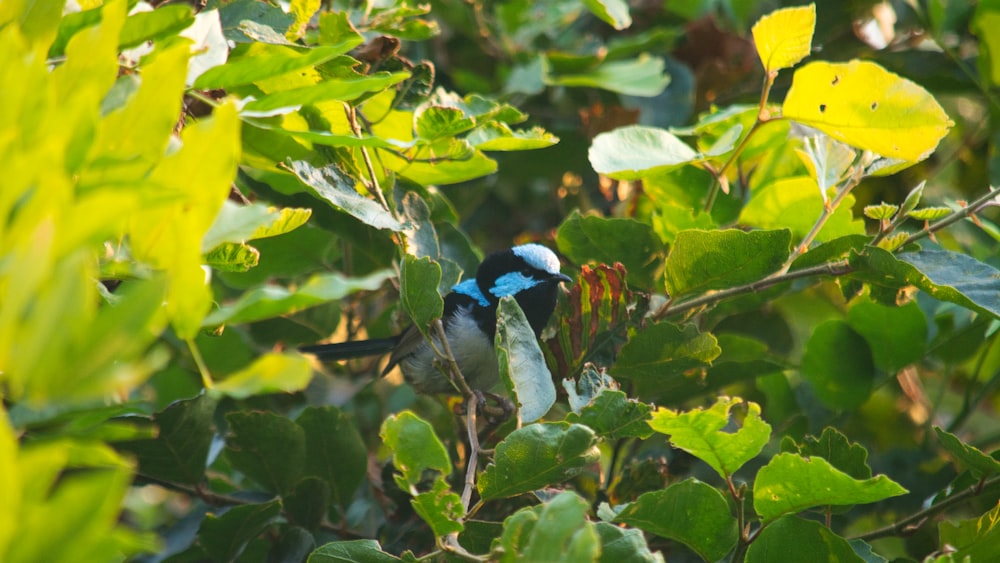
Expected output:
(349, 350)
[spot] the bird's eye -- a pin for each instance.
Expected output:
(526, 272)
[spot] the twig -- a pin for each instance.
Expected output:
(206, 376)
(837, 268)
(828, 211)
(914, 521)
(966, 211)
(352, 118)
(472, 464)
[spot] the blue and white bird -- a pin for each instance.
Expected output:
(529, 272)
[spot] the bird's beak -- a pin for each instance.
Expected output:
(562, 277)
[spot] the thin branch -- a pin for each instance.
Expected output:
(837, 268)
(963, 213)
(352, 118)
(473, 462)
(913, 522)
(206, 376)
(828, 211)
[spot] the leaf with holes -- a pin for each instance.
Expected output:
(868, 107)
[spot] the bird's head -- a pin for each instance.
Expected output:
(530, 273)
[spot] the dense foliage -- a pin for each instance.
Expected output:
(781, 343)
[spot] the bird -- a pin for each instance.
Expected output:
(528, 272)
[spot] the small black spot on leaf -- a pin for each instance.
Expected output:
(822, 108)
(874, 105)
(836, 79)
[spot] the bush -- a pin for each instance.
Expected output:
(780, 343)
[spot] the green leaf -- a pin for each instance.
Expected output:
(790, 483)
(868, 107)
(268, 448)
(796, 203)
(976, 461)
(881, 212)
(700, 433)
(335, 451)
(353, 551)
(637, 151)
(435, 122)
(336, 187)
(272, 301)
(663, 356)
(225, 537)
(180, 450)
(446, 161)
(270, 373)
(839, 366)
(612, 415)
(897, 336)
(303, 10)
(440, 508)
(419, 279)
(555, 531)
(624, 545)
(522, 365)
(415, 448)
(605, 241)
(333, 89)
(233, 257)
(308, 503)
(642, 76)
(930, 213)
(704, 260)
(612, 12)
(691, 512)
(158, 24)
(944, 275)
(557, 450)
(795, 539)
(784, 37)
(240, 223)
(977, 539)
(498, 136)
(834, 447)
(827, 159)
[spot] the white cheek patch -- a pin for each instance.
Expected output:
(538, 257)
(512, 283)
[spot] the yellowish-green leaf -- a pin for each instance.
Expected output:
(930, 213)
(862, 104)
(784, 37)
(271, 373)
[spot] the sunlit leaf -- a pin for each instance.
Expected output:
(868, 107)
(522, 365)
(784, 37)
(636, 151)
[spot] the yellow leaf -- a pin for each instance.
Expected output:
(784, 37)
(867, 107)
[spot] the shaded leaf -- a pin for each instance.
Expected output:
(838, 364)
(268, 448)
(624, 545)
(637, 151)
(795, 539)
(179, 453)
(557, 450)
(335, 451)
(691, 512)
(897, 336)
(703, 260)
(976, 461)
(522, 365)
(589, 238)
(662, 356)
(225, 537)
(642, 76)
(419, 279)
(415, 448)
(977, 539)
(336, 187)
(848, 457)
(612, 415)
(555, 531)
(612, 12)
(368, 551)
(441, 508)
